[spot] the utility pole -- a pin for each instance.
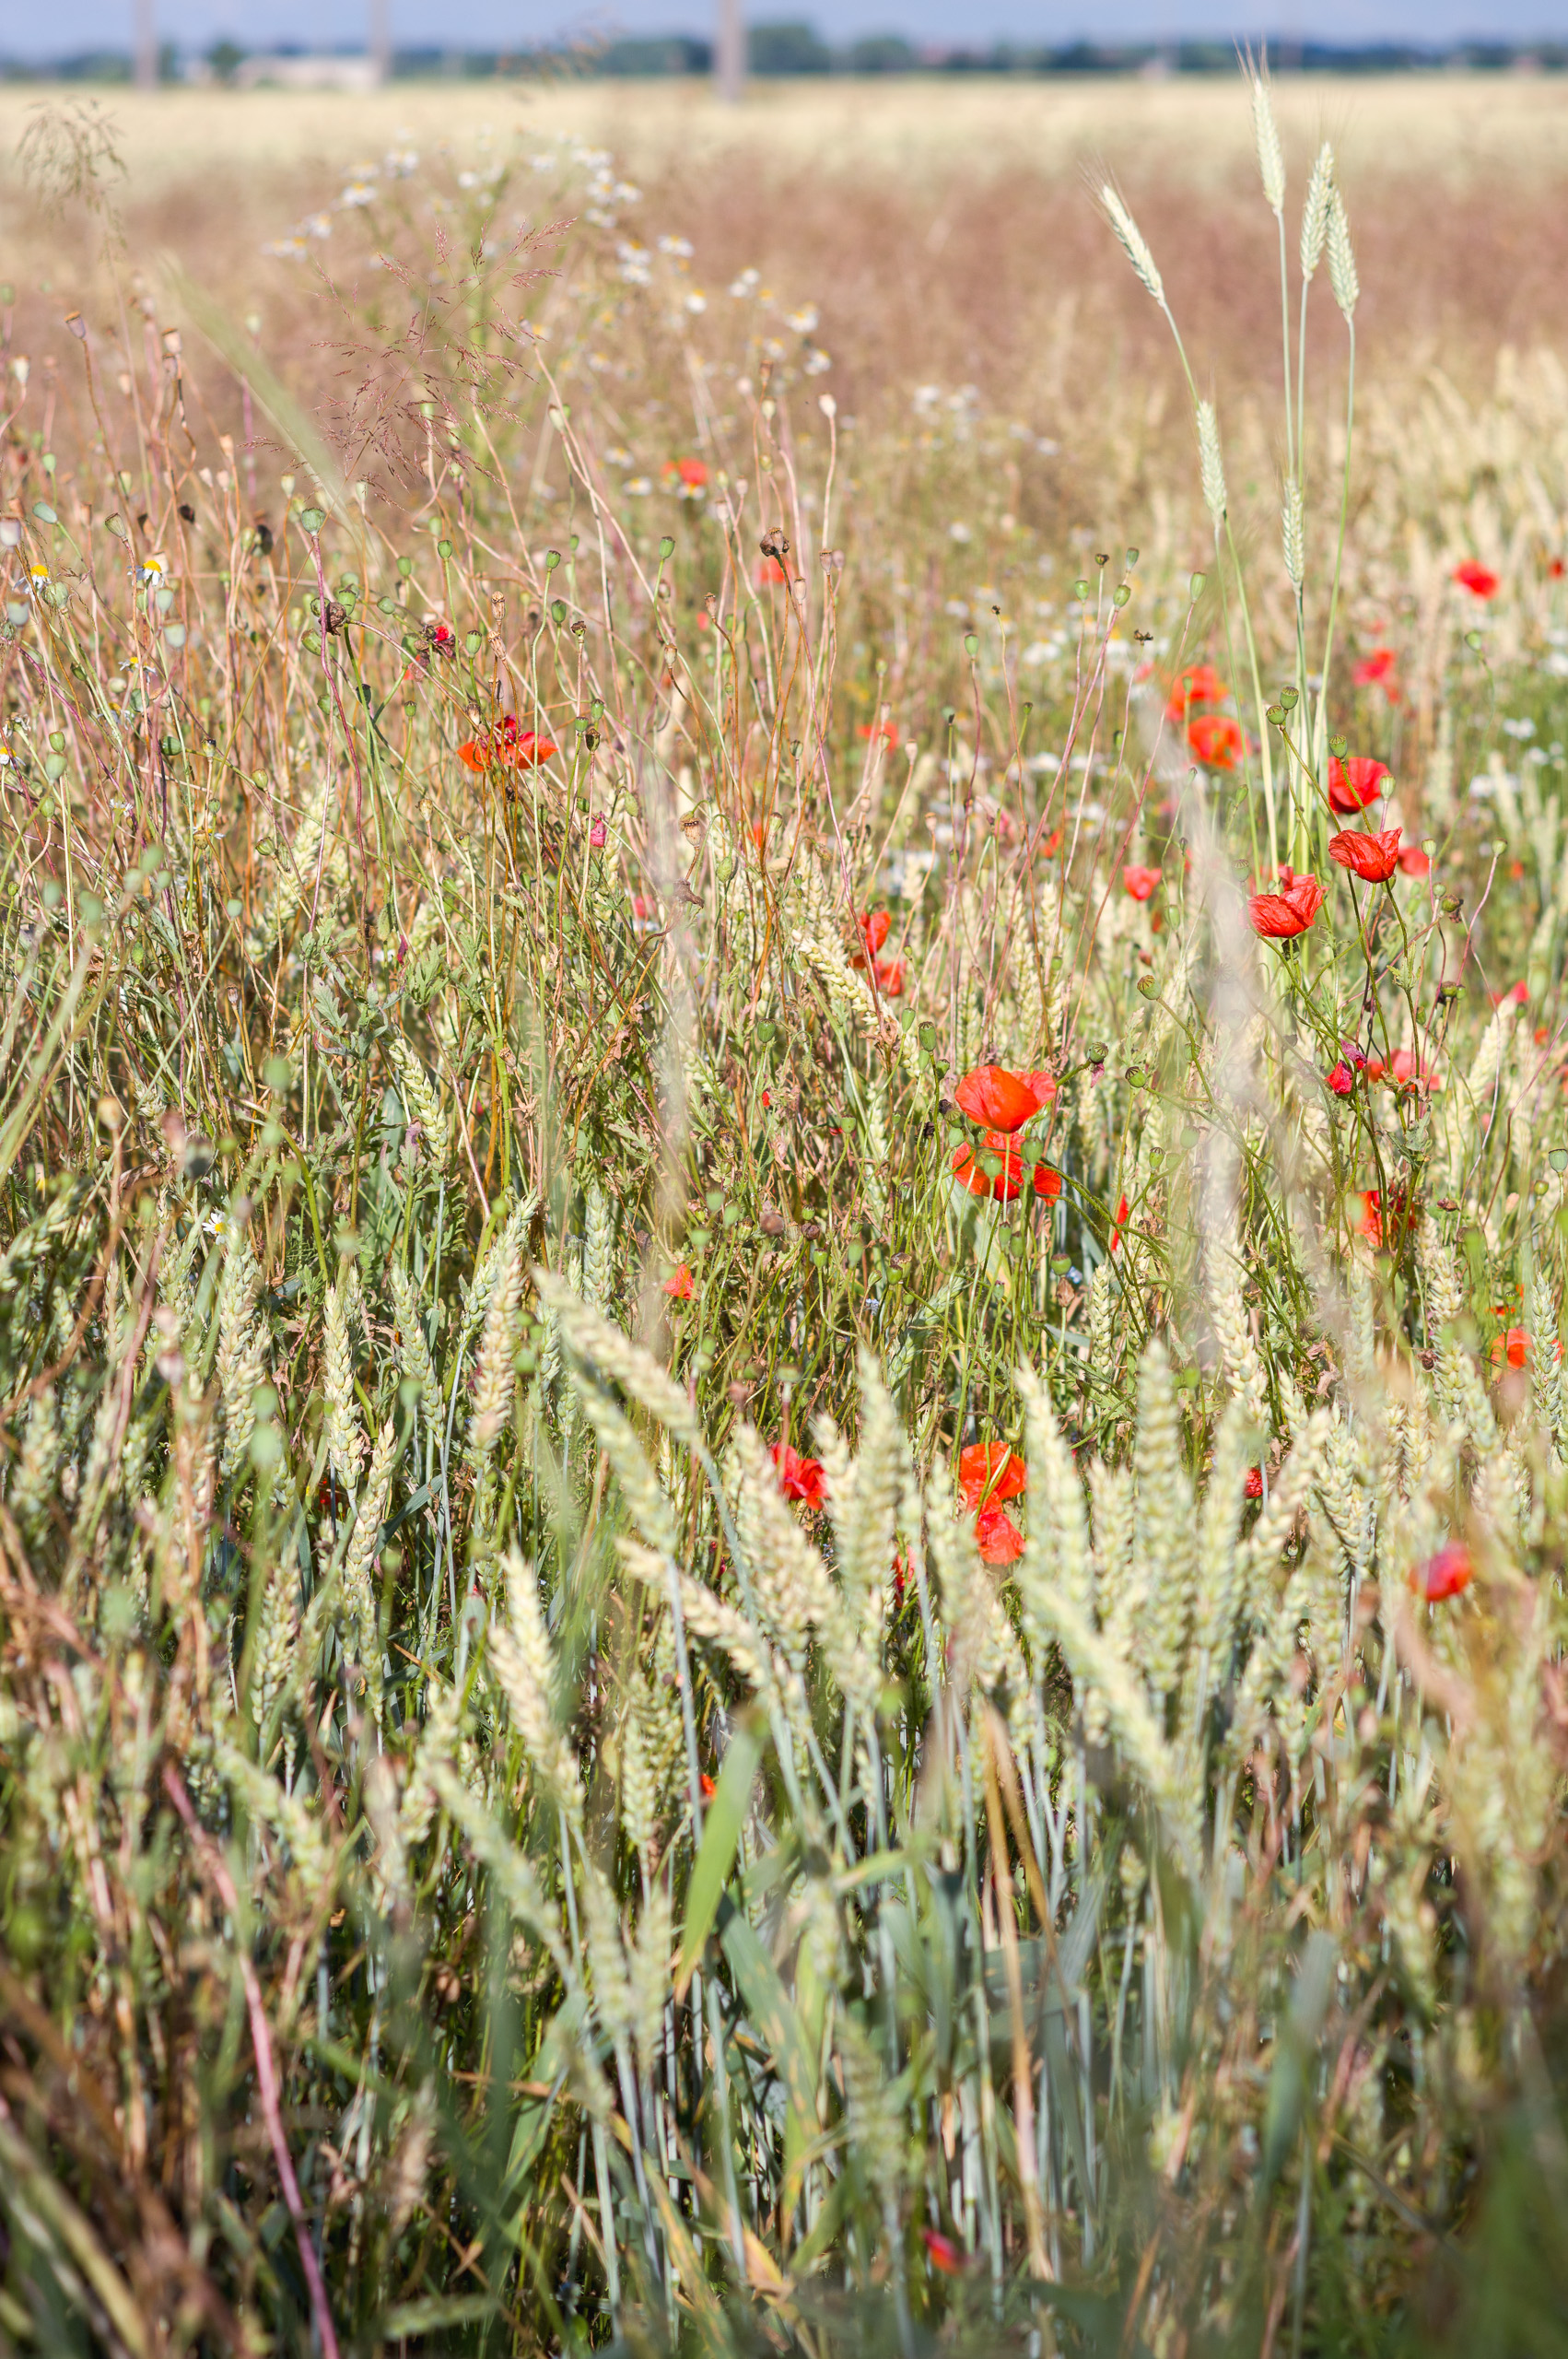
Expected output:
(147, 46)
(729, 51)
(380, 40)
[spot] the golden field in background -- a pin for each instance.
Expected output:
(940, 215)
(1456, 126)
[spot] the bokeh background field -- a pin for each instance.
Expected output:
(943, 228)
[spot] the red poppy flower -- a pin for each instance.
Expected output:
(1407, 1073)
(1444, 1574)
(800, 1478)
(1342, 1079)
(1373, 858)
(1140, 882)
(1121, 1222)
(988, 1469)
(1477, 579)
(1379, 670)
(1354, 783)
(1512, 1347)
(1047, 1183)
(1253, 1486)
(1215, 740)
(1044, 1086)
(1371, 1214)
(891, 976)
(506, 747)
(443, 639)
(770, 570)
(1203, 685)
(1555, 569)
(1002, 1183)
(886, 730)
(596, 834)
(874, 929)
(1518, 992)
(942, 2253)
(1002, 1101)
(900, 1575)
(1413, 861)
(680, 1286)
(1000, 1540)
(1052, 844)
(709, 1787)
(1280, 917)
(692, 472)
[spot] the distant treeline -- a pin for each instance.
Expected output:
(795, 47)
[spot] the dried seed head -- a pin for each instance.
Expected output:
(1209, 461)
(1343, 275)
(1294, 534)
(1133, 242)
(1271, 156)
(1315, 214)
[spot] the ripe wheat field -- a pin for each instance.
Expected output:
(783, 1137)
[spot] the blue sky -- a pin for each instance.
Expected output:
(81, 23)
